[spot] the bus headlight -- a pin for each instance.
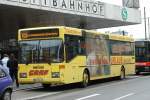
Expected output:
(23, 75)
(55, 75)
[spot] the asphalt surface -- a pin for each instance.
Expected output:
(132, 88)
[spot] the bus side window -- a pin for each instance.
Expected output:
(70, 44)
(74, 46)
(132, 48)
(81, 46)
(121, 48)
(148, 54)
(115, 47)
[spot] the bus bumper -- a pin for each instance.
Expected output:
(41, 80)
(142, 69)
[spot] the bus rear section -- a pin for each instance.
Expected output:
(142, 56)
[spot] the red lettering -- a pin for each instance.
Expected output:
(31, 72)
(45, 72)
(38, 72)
(116, 60)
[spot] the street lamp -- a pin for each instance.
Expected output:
(145, 23)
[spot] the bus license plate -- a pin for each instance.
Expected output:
(37, 80)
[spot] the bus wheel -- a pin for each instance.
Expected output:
(46, 85)
(122, 73)
(137, 72)
(85, 80)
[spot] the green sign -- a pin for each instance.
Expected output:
(124, 14)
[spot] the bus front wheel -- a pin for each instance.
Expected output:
(46, 85)
(85, 80)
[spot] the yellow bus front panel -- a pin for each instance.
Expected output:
(39, 73)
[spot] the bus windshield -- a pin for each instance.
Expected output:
(140, 54)
(41, 51)
(142, 51)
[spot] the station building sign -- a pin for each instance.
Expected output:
(131, 3)
(79, 6)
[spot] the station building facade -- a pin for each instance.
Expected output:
(88, 14)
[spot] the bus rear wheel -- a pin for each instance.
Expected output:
(85, 80)
(137, 72)
(122, 74)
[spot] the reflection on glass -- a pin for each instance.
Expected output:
(41, 51)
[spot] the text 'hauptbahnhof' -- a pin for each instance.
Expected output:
(87, 14)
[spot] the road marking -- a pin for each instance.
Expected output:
(124, 96)
(88, 97)
(116, 83)
(39, 96)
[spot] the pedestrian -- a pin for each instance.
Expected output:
(13, 68)
(0, 56)
(1, 63)
(4, 62)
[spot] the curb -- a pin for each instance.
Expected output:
(27, 88)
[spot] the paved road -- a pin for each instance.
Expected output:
(133, 88)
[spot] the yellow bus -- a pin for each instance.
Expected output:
(64, 55)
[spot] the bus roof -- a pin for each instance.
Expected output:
(39, 28)
(141, 40)
(120, 37)
(77, 31)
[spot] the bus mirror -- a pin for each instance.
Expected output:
(27, 62)
(49, 63)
